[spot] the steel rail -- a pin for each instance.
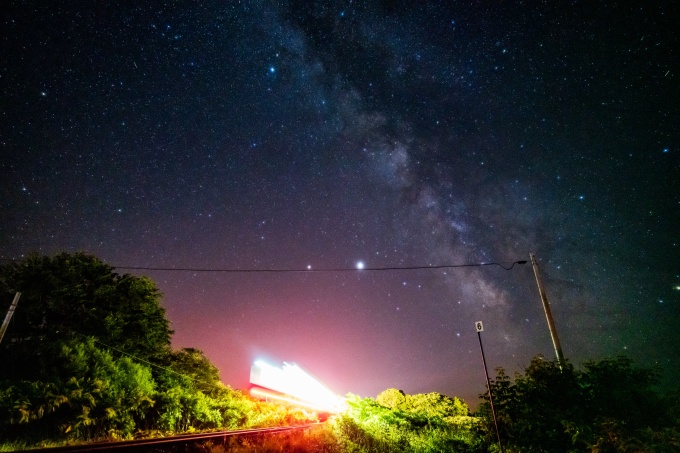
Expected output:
(184, 438)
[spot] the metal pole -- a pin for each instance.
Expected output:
(8, 317)
(548, 314)
(480, 327)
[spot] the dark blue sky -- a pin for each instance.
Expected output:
(259, 135)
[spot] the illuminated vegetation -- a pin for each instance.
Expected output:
(418, 423)
(88, 357)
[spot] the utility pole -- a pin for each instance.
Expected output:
(8, 317)
(548, 314)
(480, 328)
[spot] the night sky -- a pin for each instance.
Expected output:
(261, 135)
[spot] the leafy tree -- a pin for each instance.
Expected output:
(426, 405)
(532, 412)
(392, 398)
(549, 397)
(76, 360)
(396, 421)
(182, 409)
(609, 406)
(437, 405)
(620, 391)
(193, 364)
(91, 395)
(76, 296)
(102, 395)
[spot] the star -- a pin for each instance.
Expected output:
(370, 137)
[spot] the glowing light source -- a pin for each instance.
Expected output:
(360, 265)
(293, 385)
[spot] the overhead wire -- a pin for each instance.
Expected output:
(308, 269)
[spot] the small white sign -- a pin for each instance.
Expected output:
(479, 326)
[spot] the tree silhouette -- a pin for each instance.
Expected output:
(611, 405)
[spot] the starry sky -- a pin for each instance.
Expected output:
(259, 135)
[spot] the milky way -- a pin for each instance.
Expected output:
(316, 135)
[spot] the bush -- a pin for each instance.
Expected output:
(609, 406)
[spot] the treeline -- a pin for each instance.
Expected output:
(87, 356)
(392, 422)
(608, 406)
(395, 421)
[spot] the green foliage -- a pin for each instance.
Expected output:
(392, 398)
(91, 395)
(396, 421)
(88, 356)
(77, 296)
(194, 365)
(609, 406)
(185, 410)
(426, 405)
(620, 391)
(438, 405)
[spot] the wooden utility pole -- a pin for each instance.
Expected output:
(8, 317)
(548, 314)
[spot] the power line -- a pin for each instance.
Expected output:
(336, 269)
(292, 270)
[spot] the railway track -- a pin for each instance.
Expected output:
(169, 443)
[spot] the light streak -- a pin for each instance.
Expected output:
(259, 392)
(293, 385)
